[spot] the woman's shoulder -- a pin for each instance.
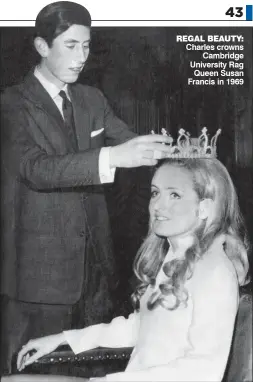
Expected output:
(214, 269)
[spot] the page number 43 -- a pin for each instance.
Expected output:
(235, 12)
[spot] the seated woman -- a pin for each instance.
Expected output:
(190, 268)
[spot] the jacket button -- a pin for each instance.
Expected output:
(82, 233)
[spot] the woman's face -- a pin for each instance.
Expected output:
(174, 204)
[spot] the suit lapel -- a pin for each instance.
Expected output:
(81, 117)
(35, 92)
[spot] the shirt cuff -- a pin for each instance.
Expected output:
(106, 173)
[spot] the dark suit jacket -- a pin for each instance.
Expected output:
(52, 199)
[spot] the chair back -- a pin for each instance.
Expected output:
(239, 367)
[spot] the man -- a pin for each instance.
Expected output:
(61, 142)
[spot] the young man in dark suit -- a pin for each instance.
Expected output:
(60, 143)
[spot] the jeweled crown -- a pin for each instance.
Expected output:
(188, 147)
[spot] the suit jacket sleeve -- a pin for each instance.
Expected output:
(41, 171)
(115, 129)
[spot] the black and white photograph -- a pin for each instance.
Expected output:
(126, 196)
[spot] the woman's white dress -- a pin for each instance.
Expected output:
(190, 343)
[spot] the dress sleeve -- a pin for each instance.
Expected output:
(215, 306)
(120, 332)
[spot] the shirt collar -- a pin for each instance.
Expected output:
(51, 88)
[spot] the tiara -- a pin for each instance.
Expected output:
(188, 147)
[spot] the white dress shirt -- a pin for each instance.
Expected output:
(190, 343)
(106, 173)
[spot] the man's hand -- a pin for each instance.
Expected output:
(140, 151)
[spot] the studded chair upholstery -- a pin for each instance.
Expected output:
(92, 363)
(100, 361)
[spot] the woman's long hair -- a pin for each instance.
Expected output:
(211, 180)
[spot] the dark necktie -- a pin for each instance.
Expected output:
(68, 117)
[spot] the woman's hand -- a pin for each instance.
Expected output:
(43, 346)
